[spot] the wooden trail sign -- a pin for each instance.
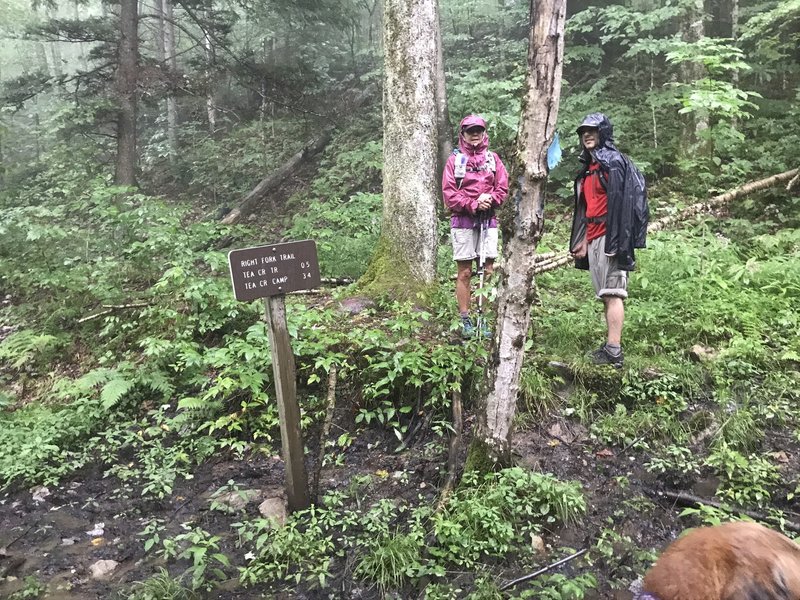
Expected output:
(270, 272)
(273, 270)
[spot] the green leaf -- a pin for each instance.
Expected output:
(113, 391)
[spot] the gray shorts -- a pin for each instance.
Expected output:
(467, 241)
(607, 278)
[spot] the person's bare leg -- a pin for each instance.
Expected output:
(615, 317)
(463, 281)
(488, 267)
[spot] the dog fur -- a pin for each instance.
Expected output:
(735, 561)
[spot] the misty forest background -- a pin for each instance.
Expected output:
(127, 173)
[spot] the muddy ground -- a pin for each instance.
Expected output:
(52, 538)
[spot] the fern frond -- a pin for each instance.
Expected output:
(158, 382)
(192, 403)
(114, 390)
(23, 346)
(94, 378)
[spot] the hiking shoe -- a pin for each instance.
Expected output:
(485, 332)
(602, 356)
(467, 328)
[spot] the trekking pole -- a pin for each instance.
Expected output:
(481, 270)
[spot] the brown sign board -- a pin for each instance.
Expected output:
(274, 270)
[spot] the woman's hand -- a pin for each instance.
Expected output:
(484, 202)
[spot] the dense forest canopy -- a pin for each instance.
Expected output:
(140, 141)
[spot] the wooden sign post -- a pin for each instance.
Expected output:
(270, 272)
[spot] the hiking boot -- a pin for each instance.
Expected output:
(467, 328)
(485, 332)
(602, 356)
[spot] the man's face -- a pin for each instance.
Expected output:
(590, 138)
(474, 135)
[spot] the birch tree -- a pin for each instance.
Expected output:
(405, 260)
(491, 444)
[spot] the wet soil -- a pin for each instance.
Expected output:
(52, 538)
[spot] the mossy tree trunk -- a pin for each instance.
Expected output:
(491, 444)
(405, 260)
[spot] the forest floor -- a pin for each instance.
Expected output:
(58, 533)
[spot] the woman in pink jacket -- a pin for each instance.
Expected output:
(474, 183)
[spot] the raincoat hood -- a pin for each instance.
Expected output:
(605, 130)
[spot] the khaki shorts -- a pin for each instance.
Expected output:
(466, 243)
(607, 278)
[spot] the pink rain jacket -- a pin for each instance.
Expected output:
(463, 201)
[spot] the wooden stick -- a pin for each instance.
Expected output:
(330, 405)
(110, 308)
(541, 571)
(454, 448)
(284, 374)
(684, 499)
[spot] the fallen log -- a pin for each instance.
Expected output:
(717, 201)
(272, 181)
(565, 258)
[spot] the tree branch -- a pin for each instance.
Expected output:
(684, 499)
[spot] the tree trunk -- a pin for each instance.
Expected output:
(735, 37)
(405, 260)
(170, 56)
(211, 107)
(55, 51)
(491, 444)
(127, 67)
(442, 114)
(694, 31)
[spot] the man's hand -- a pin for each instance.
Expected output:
(484, 202)
(581, 249)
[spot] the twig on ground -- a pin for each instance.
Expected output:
(543, 570)
(330, 405)
(684, 499)
(110, 308)
(636, 441)
(453, 449)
